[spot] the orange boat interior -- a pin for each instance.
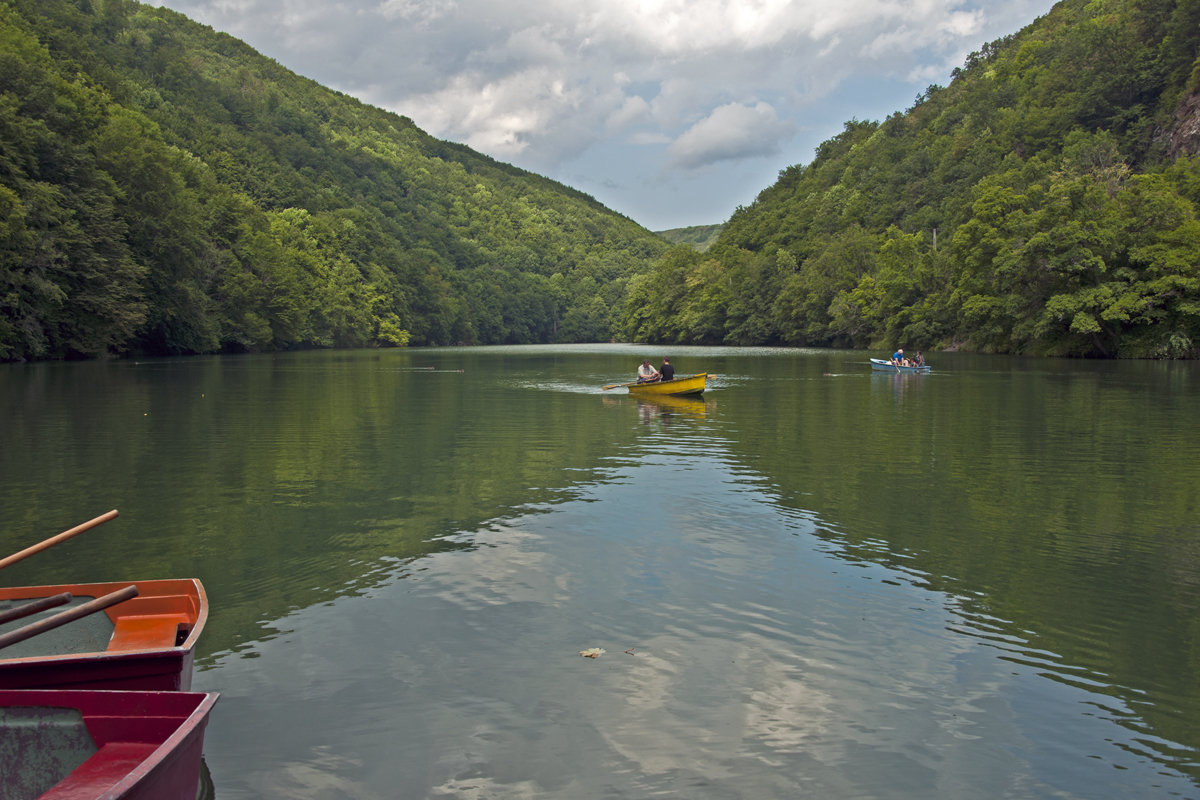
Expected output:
(166, 613)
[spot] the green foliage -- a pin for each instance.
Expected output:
(165, 189)
(1038, 204)
(699, 236)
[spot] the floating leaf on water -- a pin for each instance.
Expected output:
(592, 652)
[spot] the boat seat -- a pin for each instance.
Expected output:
(147, 631)
(95, 776)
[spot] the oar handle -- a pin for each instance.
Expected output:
(53, 540)
(27, 609)
(70, 615)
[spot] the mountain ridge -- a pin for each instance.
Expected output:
(222, 203)
(1043, 203)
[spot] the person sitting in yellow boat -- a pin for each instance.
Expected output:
(647, 373)
(667, 372)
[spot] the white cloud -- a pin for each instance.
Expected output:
(633, 110)
(730, 132)
(649, 138)
(421, 12)
(545, 85)
(902, 39)
(501, 117)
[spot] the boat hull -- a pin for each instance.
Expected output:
(147, 642)
(77, 744)
(680, 387)
(880, 365)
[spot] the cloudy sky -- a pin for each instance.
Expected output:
(672, 112)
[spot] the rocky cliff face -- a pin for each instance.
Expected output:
(1183, 135)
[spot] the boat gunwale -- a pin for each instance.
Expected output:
(697, 383)
(186, 712)
(883, 365)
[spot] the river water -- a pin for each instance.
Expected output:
(814, 582)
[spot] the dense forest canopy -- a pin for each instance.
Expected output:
(700, 237)
(1045, 202)
(165, 189)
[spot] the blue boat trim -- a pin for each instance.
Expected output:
(882, 365)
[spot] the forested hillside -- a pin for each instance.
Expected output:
(700, 237)
(165, 189)
(1045, 202)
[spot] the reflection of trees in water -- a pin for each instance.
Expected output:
(1055, 501)
(280, 482)
(901, 383)
(664, 408)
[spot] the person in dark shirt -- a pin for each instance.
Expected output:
(667, 372)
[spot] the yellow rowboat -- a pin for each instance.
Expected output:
(689, 384)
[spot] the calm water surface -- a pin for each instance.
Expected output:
(815, 582)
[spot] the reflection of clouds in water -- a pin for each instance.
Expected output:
(485, 788)
(751, 665)
(690, 710)
(321, 776)
(510, 566)
(718, 685)
(762, 666)
(784, 713)
(727, 675)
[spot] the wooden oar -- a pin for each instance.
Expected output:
(618, 385)
(53, 540)
(70, 615)
(41, 604)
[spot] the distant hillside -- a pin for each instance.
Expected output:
(1045, 202)
(700, 237)
(166, 189)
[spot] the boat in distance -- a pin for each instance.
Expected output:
(679, 387)
(77, 744)
(883, 365)
(147, 642)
